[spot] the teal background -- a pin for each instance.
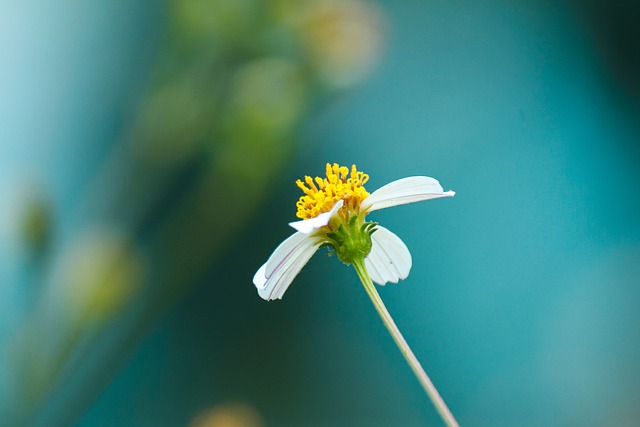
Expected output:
(522, 300)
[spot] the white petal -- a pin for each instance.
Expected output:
(260, 278)
(308, 226)
(284, 252)
(275, 276)
(406, 190)
(389, 259)
(372, 262)
(281, 279)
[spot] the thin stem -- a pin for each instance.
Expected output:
(426, 383)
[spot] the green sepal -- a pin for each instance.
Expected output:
(352, 239)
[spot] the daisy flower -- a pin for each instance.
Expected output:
(332, 213)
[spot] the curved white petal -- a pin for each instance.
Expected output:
(260, 278)
(389, 259)
(275, 276)
(308, 226)
(402, 191)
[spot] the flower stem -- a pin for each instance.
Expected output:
(426, 383)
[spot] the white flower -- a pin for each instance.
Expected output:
(333, 211)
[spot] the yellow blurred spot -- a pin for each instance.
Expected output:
(229, 415)
(343, 39)
(99, 274)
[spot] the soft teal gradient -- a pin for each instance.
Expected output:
(522, 301)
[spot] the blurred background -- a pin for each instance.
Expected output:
(148, 154)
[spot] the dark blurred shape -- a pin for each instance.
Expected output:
(615, 26)
(36, 223)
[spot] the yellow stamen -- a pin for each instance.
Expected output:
(320, 194)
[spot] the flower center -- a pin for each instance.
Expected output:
(320, 194)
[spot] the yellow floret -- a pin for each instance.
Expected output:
(320, 194)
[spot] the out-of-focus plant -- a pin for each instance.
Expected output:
(36, 224)
(235, 81)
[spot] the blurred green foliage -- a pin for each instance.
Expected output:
(234, 82)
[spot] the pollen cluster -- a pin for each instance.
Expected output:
(320, 194)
